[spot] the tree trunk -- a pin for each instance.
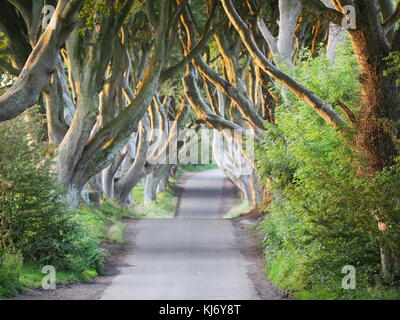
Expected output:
(41, 63)
(283, 47)
(150, 188)
(136, 172)
(379, 110)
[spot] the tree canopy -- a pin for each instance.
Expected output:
(311, 84)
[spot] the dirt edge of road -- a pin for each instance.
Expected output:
(178, 189)
(249, 243)
(92, 290)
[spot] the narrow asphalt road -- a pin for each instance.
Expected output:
(194, 256)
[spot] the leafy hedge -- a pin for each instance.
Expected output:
(36, 225)
(323, 214)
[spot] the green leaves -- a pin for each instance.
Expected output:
(393, 65)
(94, 11)
(35, 218)
(323, 213)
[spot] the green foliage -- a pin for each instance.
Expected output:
(103, 222)
(137, 195)
(5, 78)
(393, 63)
(94, 11)
(114, 211)
(238, 210)
(116, 233)
(31, 276)
(84, 260)
(10, 268)
(317, 223)
(164, 207)
(197, 167)
(35, 221)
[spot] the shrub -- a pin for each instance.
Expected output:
(35, 218)
(103, 222)
(323, 214)
(10, 268)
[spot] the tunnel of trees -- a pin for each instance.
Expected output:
(303, 94)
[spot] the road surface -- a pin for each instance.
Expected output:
(194, 256)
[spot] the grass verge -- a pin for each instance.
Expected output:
(287, 273)
(163, 208)
(238, 210)
(103, 224)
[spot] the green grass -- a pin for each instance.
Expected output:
(9, 288)
(369, 293)
(116, 233)
(238, 210)
(137, 194)
(163, 208)
(197, 167)
(31, 276)
(286, 273)
(103, 223)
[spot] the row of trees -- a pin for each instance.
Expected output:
(109, 74)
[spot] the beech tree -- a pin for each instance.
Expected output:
(98, 69)
(110, 80)
(374, 38)
(42, 60)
